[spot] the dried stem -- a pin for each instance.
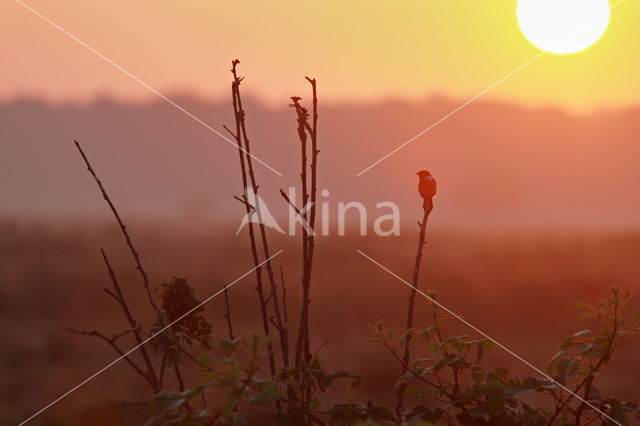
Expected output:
(410, 310)
(135, 407)
(238, 117)
(284, 344)
(111, 341)
(312, 213)
(227, 314)
(176, 369)
(284, 302)
(308, 178)
(120, 298)
(123, 228)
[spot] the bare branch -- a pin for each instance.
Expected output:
(410, 311)
(227, 314)
(239, 116)
(112, 342)
(119, 296)
(123, 228)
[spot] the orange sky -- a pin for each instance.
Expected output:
(358, 50)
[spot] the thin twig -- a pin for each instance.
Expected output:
(127, 405)
(238, 114)
(410, 311)
(263, 233)
(309, 190)
(112, 342)
(313, 194)
(284, 302)
(119, 296)
(123, 228)
(227, 314)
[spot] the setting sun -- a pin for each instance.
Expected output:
(563, 26)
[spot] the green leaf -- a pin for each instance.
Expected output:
(167, 401)
(477, 412)
(420, 412)
(238, 420)
(477, 375)
(206, 360)
(480, 354)
(406, 334)
(229, 344)
(433, 347)
(597, 350)
(619, 413)
(444, 362)
(346, 414)
(314, 404)
(559, 354)
(379, 414)
(566, 367)
(266, 396)
(413, 391)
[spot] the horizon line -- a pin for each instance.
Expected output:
(265, 102)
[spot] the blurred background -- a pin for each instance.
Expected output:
(538, 206)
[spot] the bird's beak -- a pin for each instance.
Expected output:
(417, 173)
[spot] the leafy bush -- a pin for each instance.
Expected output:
(448, 384)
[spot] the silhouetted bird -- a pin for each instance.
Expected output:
(427, 188)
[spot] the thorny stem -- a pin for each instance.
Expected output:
(410, 311)
(131, 406)
(227, 314)
(112, 342)
(314, 190)
(301, 352)
(176, 369)
(305, 131)
(123, 228)
(119, 296)
(254, 250)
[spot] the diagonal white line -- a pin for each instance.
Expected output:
(422, 132)
(473, 327)
(106, 59)
(145, 341)
(616, 4)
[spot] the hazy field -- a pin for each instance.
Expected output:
(519, 288)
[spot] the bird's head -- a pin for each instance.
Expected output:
(423, 174)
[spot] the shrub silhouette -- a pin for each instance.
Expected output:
(442, 380)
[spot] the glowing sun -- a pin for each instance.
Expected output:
(563, 26)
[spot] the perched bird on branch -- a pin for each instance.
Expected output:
(427, 188)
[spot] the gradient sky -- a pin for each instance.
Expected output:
(358, 50)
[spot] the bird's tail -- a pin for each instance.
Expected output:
(427, 205)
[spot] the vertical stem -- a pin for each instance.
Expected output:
(176, 369)
(309, 194)
(254, 250)
(227, 314)
(263, 234)
(301, 353)
(265, 244)
(314, 190)
(410, 310)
